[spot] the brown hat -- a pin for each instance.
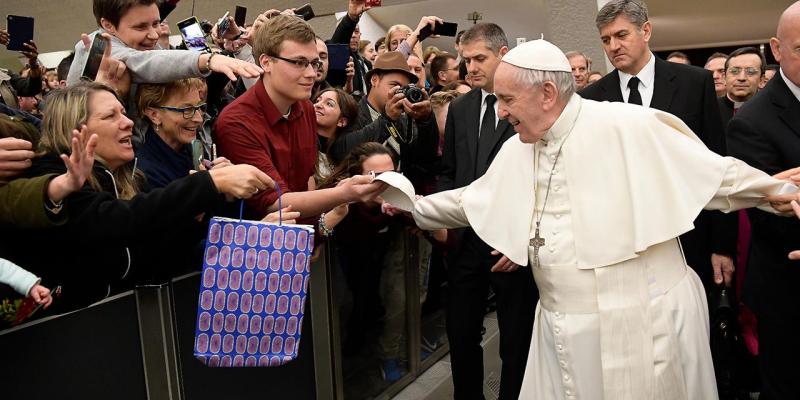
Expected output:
(392, 61)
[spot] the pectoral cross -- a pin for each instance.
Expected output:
(536, 242)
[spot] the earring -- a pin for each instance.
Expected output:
(157, 127)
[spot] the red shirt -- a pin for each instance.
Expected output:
(252, 131)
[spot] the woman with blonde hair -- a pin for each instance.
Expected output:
(115, 236)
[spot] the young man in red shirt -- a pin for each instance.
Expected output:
(273, 125)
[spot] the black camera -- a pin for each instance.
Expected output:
(412, 93)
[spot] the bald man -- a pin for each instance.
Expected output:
(765, 133)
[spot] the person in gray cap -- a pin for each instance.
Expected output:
(593, 196)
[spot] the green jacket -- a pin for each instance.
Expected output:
(22, 203)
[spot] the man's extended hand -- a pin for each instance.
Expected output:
(723, 268)
(355, 8)
(503, 264)
(795, 255)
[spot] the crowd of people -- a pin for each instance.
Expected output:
(117, 176)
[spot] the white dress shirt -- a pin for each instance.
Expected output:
(792, 87)
(647, 78)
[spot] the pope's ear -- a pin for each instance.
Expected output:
(549, 93)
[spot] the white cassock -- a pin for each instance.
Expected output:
(621, 316)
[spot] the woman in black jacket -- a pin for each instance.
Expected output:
(114, 233)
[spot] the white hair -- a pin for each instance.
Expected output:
(535, 78)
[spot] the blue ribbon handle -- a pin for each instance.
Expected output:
(280, 207)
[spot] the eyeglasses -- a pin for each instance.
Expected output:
(188, 112)
(302, 63)
(750, 71)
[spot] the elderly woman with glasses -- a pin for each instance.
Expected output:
(175, 111)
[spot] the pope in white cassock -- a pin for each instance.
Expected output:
(593, 197)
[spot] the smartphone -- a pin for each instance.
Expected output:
(96, 52)
(165, 7)
(372, 3)
(441, 29)
(222, 24)
(338, 56)
(192, 34)
(305, 11)
(197, 154)
(239, 16)
(21, 31)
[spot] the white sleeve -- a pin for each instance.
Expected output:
(744, 187)
(441, 210)
(19, 279)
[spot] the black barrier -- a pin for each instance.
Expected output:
(93, 353)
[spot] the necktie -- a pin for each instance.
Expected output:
(634, 97)
(487, 133)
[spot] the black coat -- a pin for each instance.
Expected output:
(688, 93)
(459, 164)
(108, 244)
(765, 133)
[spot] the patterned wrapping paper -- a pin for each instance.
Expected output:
(252, 293)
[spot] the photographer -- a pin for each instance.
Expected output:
(397, 115)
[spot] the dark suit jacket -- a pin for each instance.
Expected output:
(688, 93)
(765, 133)
(459, 166)
(344, 31)
(725, 109)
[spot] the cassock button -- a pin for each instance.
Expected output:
(555, 233)
(566, 378)
(557, 314)
(560, 347)
(556, 188)
(557, 331)
(552, 249)
(568, 393)
(563, 363)
(555, 172)
(558, 216)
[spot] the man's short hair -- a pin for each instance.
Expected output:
(678, 54)
(748, 50)
(492, 34)
(63, 67)
(270, 36)
(572, 54)
(633, 10)
(716, 55)
(439, 64)
(113, 10)
(772, 67)
(381, 40)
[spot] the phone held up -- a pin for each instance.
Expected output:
(99, 44)
(193, 35)
(21, 31)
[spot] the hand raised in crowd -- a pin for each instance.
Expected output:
(503, 264)
(285, 216)
(4, 37)
(231, 32)
(723, 269)
(15, 157)
(41, 295)
(350, 70)
(795, 255)
(231, 67)
(112, 71)
(427, 21)
(79, 166)
(355, 8)
(240, 181)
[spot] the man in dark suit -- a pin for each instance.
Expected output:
(472, 138)
(347, 32)
(765, 133)
(744, 69)
(685, 91)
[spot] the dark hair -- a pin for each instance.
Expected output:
(492, 34)
(462, 70)
(458, 36)
(63, 67)
(351, 165)
(113, 10)
(454, 85)
(716, 55)
(679, 54)
(772, 67)
(632, 10)
(747, 50)
(349, 109)
(439, 64)
(381, 40)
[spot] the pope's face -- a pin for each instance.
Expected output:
(523, 108)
